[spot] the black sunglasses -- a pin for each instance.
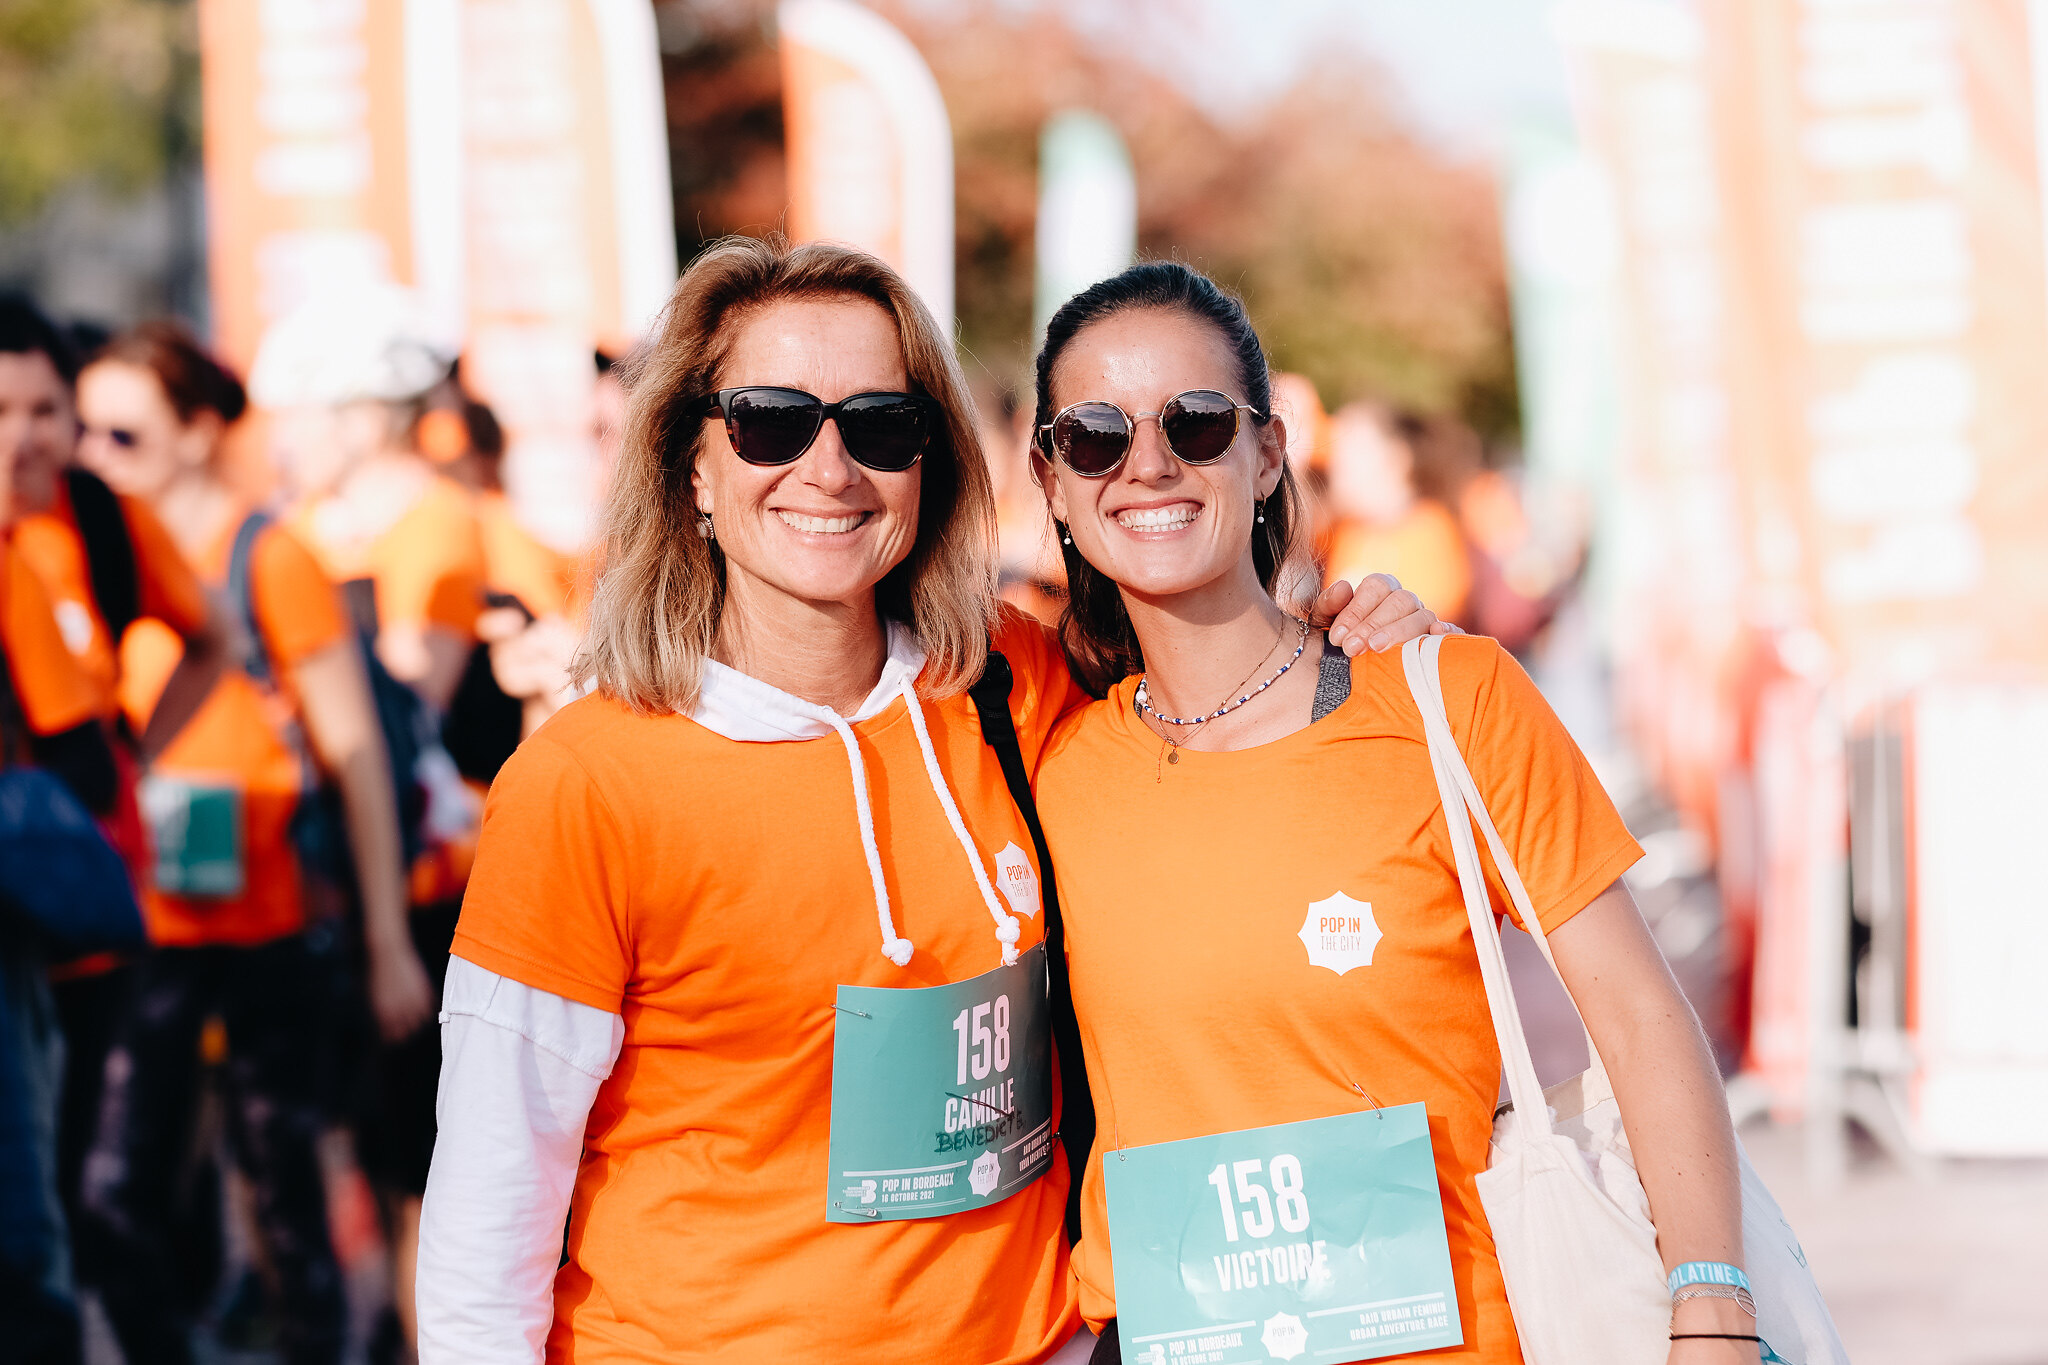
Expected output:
(1093, 438)
(769, 426)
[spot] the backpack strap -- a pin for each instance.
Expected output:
(109, 551)
(255, 659)
(991, 695)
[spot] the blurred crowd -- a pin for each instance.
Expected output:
(276, 638)
(277, 657)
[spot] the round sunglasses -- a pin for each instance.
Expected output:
(1094, 437)
(886, 432)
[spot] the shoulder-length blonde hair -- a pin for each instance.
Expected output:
(654, 616)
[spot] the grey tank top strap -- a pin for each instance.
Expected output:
(1333, 681)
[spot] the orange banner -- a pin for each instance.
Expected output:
(328, 156)
(1884, 174)
(870, 150)
(569, 237)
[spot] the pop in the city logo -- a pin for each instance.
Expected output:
(983, 1174)
(1017, 882)
(1340, 933)
(1284, 1337)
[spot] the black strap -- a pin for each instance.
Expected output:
(109, 552)
(255, 659)
(15, 734)
(991, 694)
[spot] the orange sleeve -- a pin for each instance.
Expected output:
(1567, 839)
(433, 571)
(547, 898)
(169, 590)
(297, 608)
(1044, 688)
(54, 691)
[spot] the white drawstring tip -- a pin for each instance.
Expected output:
(898, 951)
(1008, 930)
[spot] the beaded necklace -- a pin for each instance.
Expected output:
(1141, 700)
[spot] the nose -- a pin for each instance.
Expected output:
(826, 466)
(1151, 459)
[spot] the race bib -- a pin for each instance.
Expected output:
(941, 1097)
(195, 832)
(1322, 1240)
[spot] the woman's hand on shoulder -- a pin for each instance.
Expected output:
(1379, 615)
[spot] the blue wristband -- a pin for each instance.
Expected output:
(1706, 1272)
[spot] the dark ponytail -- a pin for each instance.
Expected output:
(1095, 630)
(192, 380)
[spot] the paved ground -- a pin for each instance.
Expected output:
(1952, 1270)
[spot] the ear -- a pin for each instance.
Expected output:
(1047, 478)
(1272, 460)
(699, 488)
(198, 437)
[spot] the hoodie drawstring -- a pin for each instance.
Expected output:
(897, 950)
(1007, 928)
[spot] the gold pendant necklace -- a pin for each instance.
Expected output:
(1141, 704)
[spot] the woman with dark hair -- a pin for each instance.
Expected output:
(228, 905)
(749, 984)
(1238, 774)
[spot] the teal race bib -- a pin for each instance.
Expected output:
(195, 832)
(1322, 1240)
(941, 1097)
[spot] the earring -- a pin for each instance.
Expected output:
(1065, 537)
(1259, 504)
(704, 526)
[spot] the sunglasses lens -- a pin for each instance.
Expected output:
(1091, 437)
(1200, 425)
(773, 426)
(885, 431)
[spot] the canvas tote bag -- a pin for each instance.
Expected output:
(1571, 1224)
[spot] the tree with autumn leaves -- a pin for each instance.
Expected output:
(1371, 261)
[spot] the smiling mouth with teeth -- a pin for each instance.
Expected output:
(1158, 518)
(828, 526)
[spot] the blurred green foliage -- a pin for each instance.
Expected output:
(104, 91)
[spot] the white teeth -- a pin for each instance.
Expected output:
(1157, 518)
(821, 525)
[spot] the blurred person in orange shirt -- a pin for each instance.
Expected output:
(47, 721)
(346, 380)
(104, 562)
(1381, 522)
(231, 932)
(532, 642)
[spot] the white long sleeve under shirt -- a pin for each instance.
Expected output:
(520, 1068)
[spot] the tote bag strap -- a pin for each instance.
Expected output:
(1463, 805)
(1510, 877)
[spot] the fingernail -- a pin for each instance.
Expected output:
(1379, 642)
(1338, 635)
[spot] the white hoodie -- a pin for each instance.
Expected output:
(521, 1067)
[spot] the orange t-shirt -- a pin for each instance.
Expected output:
(428, 566)
(1425, 550)
(516, 562)
(716, 894)
(237, 734)
(1184, 895)
(168, 591)
(55, 692)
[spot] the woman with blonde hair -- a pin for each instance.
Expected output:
(750, 982)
